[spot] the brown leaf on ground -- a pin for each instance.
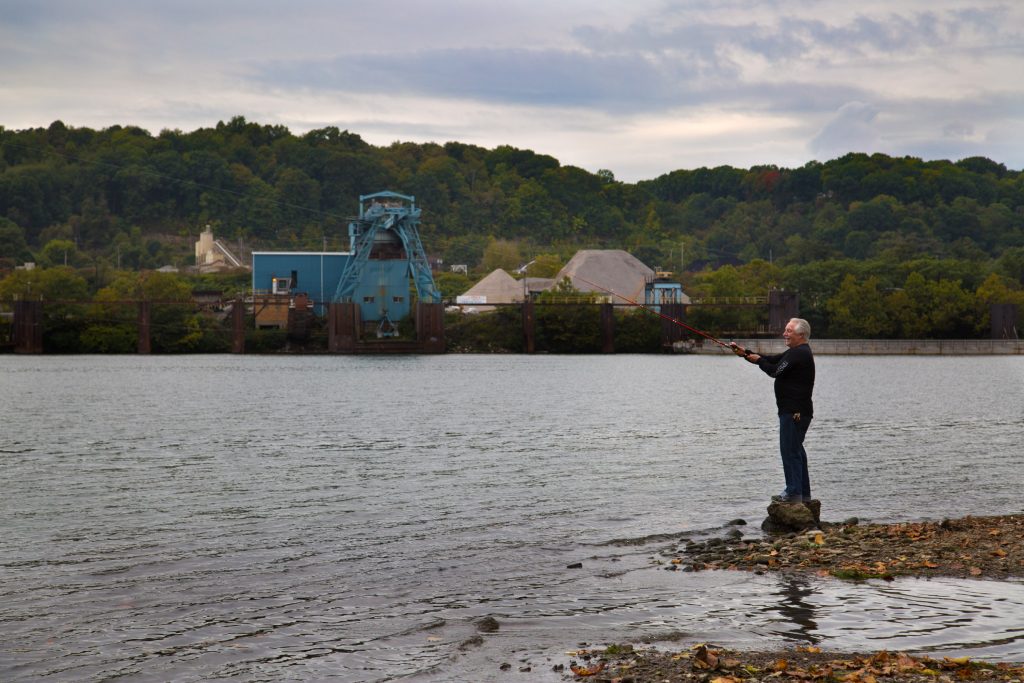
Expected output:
(587, 670)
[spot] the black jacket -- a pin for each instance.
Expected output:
(794, 379)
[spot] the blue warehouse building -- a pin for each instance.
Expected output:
(382, 291)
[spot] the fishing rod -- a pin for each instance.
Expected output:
(657, 313)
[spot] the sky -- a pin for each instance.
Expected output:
(637, 87)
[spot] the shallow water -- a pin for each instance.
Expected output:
(348, 518)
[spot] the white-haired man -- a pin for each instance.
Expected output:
(793, 371)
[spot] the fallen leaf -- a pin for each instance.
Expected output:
(704, 658)
(587, 670)
(905, 663)
(975, 571)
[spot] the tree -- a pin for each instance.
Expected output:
(544, 265)
(452, 285)
(502, 254)
(174, 325)
(49, 283)
(56, 287)
(466, 250)
(1011, 264)
(858, 311)
(12, 242)
(59, 253)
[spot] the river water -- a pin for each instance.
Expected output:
(194, 518)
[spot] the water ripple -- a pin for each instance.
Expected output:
(358, 533)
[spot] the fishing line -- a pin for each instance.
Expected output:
(657, 313)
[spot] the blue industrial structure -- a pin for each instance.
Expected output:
(281, 273)
(387, 228)
(662, 289)
(385, 251)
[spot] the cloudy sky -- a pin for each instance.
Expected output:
(639, 87)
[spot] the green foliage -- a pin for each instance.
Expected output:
(174, 324)
(857, 311)
(568, 328)
(12, 243)
(263, 182)
(109, 338)
(502, 254)
(265, 341)
(637, 331)
(46, 284)
(467, 250)
(57, 253)
(500, 331)
(920, 309)
(545, 265)
(452, 285)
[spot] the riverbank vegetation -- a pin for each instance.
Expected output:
(876, 246)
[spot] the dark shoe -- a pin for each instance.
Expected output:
(787, 499)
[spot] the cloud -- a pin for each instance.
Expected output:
(550, 78)
(641, 88)
(852, 129)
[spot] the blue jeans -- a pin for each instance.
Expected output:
(794, 457)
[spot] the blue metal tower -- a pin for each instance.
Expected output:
(386, 229)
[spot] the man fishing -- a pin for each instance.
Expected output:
(793, 371)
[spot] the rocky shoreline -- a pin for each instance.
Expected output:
(708, 664)
(989, 548)
(976, 547)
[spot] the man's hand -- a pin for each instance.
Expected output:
(744, 353)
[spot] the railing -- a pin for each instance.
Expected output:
(730, 301)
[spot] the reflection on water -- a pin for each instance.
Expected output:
(795, 607)
(349, 518)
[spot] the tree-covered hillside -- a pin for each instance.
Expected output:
(269, 186)
(861, 227)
